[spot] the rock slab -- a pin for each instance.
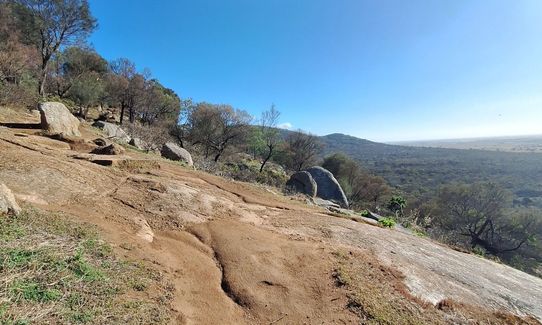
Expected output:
(303, 182)
(327, 186)
(172, 151)
(112, 131)
(56, 120)
(112, 149)
(8, 204)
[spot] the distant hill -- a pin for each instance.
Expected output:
(421, 170)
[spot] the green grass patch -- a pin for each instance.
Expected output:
(56, 271)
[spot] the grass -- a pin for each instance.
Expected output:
(56, 271)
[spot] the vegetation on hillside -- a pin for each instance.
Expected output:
(56, 271)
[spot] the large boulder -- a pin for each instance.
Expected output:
(172, 151)
(112, 131)
(327, 186)
(302, 182)
(56, 120)
(8, 205)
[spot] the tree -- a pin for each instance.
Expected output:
(179, 129)
(360, 186)
(397, 204)
(118, 84)
(86, 91)
(255, 143)
(135, 95)
(18, 61)
(303, 149)
(216, 127)
(15, 59)
(57, 23)
(159, 103)
(477, 212)
(270, 133)
(72, 66)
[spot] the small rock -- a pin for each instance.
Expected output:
(8, 204)
(56, 120)
(324, 203)
(112, 149)
(145, 231)
(172, 151)
(100, 142)
(138, 143)
(112, 131)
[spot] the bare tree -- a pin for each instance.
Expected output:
(478, 213)
(179, 129)
(118, 84)
(270, 133)
(58, 23)
(303, 149)
(216, 127)
(15, 56)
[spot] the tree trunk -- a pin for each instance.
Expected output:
(132, 115)
(269, 154)
(122, 108)
(43, 76)
(218, 156)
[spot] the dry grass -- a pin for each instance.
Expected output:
(56, 271)
(378, 295)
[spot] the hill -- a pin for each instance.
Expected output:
(204, 249)
(420, 170)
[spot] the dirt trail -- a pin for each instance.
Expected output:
(236, 252)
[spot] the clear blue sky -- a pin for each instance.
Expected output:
(377, 69)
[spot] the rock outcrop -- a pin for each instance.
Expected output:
(172, 151)
(138, 143)
(303, 182)
(112, 149)
(99, 142)
(8, 205)
(327, 186)
(112, 131)
(56, 120)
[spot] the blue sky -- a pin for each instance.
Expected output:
(377, 69)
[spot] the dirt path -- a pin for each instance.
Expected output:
(238, 253)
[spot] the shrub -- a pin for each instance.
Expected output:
(387, 222)
(365, 214)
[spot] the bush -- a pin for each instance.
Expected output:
(387, 222)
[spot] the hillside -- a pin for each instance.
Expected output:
(226, 252)
(420, 170)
